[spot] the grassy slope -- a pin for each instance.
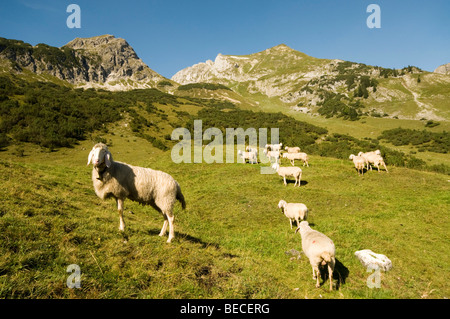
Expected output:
(231, 240)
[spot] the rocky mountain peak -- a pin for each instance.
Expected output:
(443, 69)
(102, 61)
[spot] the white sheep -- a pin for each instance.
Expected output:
(272, 154)
(293, 211)
(374, 158)
(297, 156)
(359, 162)
(295, 171)
(294, 149)
(144, 185)
(319, 249)
(250, 156)
(273, 147)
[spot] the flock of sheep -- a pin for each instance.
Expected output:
(113, 179)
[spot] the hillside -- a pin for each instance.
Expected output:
(233, 246)
(331, 88)
(232, 241)
(104, 62)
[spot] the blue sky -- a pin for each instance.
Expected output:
(170, 35)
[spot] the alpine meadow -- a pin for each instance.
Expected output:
(232, 241)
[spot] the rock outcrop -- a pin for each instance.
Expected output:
(104, 61)
(443, 69)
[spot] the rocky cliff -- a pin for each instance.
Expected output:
(104, 61)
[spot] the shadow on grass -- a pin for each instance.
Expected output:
(340, 274)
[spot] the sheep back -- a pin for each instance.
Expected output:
(143, 185)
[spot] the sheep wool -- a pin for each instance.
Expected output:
(146, 186)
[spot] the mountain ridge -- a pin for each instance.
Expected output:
(329, 87)
(100, 62)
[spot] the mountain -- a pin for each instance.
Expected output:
(329, 87)
(103, 62)
(443, 69)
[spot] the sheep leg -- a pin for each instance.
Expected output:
(170, 218)
(164, 227)
(292, 162)
(284, 178)
(317, 275)
(330, 273)
(290, 222)
(120, 209)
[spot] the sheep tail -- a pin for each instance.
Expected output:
(180, 197)
(326, 258)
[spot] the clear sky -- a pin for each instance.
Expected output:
(169, 35)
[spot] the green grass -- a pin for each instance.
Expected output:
(230, 241)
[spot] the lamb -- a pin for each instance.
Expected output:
(293, 211)
(319, 249)
(294, 149)
(295, 171)
(297, 156)
(375, 158)
(250, 156)
(143, 185)
(359, 162)
(272, 154)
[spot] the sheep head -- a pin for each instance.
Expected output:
(99, 155)
(304, 225)
(282, 205)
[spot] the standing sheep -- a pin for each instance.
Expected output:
(359, 162)
(294, 149)
(293, 211)
(297, 156)
(250, 156)
(273, 147)
(374, 158)
(319, 249)
(295, 171)
(143, 185)
(272, 154)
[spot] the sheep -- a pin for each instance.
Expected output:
(251, 156)
(319, 249)
(294, 149)
(297, 156)
(293, 211)
(374, 158)
(272, 154)
(143, 185)
(295, 171)
(273, 147)
(359, 162)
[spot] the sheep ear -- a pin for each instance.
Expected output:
(108, 159)
(90, 157)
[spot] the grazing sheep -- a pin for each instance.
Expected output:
(297, 156)
(250, 156)
(144, 185)
(374, 158)
(293, 211)
(294, 149)
(272, 154)
(359, 162)
(319, 249)
(295, 171)
(273, 147)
